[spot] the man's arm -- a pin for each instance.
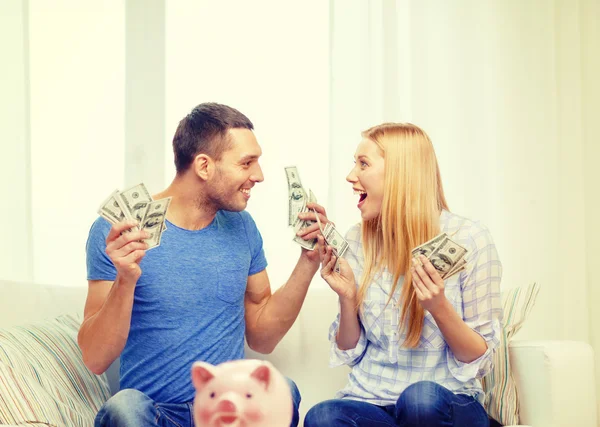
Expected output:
(105, 328)
(270, 316)
(107, 314)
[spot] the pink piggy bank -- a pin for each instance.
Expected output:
(241, 393)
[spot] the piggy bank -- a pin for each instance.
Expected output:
(241, 393)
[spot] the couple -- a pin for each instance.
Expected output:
(417, 344)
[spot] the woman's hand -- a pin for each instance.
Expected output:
(341, 282)
(428, 284)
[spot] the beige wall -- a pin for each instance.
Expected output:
(590, 36)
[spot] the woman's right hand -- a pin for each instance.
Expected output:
(341, 282)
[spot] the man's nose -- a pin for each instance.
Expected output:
(257, 175)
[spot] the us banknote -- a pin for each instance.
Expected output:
(446, 256)
(135, 203)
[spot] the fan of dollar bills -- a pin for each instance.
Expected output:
(136, 204)
(297, 204)
(446, 256)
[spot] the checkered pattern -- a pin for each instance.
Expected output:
(381, 367)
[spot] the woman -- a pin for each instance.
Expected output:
(417, 345)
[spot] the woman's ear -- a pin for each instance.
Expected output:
(203, 166)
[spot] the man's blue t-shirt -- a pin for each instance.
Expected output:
(188, 303)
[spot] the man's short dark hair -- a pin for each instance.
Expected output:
(204, 130)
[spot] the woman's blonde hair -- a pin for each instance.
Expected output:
(413, 198)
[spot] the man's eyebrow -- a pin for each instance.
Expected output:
(248, 157)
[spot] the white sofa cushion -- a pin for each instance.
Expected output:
(555, 381)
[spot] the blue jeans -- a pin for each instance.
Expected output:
(423, 404)
(132, 408)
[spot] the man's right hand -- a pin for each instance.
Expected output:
(126, 249)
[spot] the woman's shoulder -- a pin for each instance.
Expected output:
(471, 233)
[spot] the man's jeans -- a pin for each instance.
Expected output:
(132, 408)
(423, 404)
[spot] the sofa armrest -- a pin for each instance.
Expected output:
(555, 383)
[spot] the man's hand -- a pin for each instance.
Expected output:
(126, 249)
(312, 231)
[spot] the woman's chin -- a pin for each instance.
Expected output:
(367, 215)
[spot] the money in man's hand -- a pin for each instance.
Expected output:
(297, 201)
(136, 204)
(446, 256)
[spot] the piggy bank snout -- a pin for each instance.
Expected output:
(226, 405)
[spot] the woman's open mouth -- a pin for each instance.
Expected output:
(363, 196)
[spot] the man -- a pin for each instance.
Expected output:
(193, 297)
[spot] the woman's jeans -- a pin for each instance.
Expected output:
(132, 408)
(423, 404)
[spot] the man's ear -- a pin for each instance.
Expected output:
(203, 166)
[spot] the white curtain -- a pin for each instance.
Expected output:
(15, 173)
(62, 131)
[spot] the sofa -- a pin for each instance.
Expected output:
(554, 379)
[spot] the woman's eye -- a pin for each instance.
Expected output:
(363, 165)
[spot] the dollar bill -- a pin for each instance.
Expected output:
(296, 195)
(449, 260)
(460, 266)
(111, 210)
(335, 239)
(154, 219)
(136, 203)
(307, 244)
(446, 256)
(427, 248)
(136, 200)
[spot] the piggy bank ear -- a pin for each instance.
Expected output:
(202, 373)
(262, 374)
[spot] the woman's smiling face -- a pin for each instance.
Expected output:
(367, 178)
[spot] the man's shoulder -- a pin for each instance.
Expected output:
(100, 227)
